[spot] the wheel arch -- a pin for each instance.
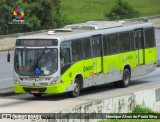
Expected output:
(127, 66)
(80, 78)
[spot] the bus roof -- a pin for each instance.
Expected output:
(87, 29)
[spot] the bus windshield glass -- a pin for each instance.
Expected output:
(36, 62)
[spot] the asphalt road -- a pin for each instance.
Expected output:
(6, 69)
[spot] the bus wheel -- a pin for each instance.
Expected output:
(125, 81)
(76, 90)
(37, 95)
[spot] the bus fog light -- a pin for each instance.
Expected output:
(16, 82)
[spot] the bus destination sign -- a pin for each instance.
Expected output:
(36, 42)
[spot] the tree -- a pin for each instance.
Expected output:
(122, 10)
(40, 14)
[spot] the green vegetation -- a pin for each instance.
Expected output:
(46, 14)
(83, 10)
(122, 10)
(40, 14)
(142, 109)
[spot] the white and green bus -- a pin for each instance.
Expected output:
(83, 55)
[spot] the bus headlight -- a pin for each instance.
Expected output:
(54, 80)
(16, 82)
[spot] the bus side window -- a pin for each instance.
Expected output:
(132, 44)
(86, 48)
(65, 56)
(149, 38)
(112, 44)
(77, 53)
(65, 59)
(124, 40)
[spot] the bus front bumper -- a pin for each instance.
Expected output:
(54, 89)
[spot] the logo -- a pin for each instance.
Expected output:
(87, 68)
(37, 71)
(18, 14)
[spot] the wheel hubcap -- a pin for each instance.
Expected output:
(126, 78)
(76, 88)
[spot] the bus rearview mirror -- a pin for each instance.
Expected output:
(8, 57)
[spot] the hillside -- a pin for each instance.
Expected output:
(83, 10)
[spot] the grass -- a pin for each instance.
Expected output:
(83, 10)
(142, 109)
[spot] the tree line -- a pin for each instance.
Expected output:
(46, 14)
(39, 14)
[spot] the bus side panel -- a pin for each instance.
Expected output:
(110, 63)
(69, 75)
(88, 68)
(128, 58)
(150, 55)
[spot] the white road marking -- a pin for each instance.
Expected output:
(6, 79)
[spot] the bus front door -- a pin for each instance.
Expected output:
(139, 44)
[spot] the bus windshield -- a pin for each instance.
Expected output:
(36, 62)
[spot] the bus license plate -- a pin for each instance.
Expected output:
(34, 91)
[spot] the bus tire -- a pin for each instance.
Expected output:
(37, 95)
(125, 81)
(76, 90)
(116, 84)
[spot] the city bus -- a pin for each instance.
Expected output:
(83, 55)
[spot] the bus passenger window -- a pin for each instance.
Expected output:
(124, 40)
(132, 47)
(112, 44)
(87, 48)
(77, 53)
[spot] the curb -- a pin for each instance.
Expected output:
(158, 63)
(7, 92)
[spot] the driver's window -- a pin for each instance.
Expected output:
(65, 59)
